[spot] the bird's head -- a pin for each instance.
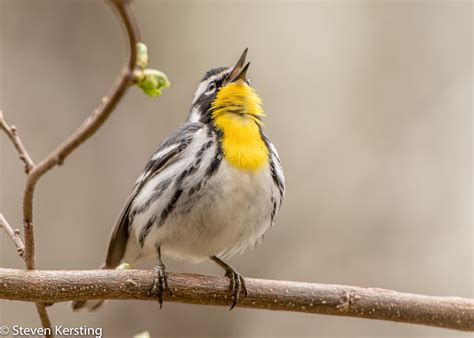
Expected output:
(226, 92)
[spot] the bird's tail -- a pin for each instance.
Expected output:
(132, 257)
(90, 304)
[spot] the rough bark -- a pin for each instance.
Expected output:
(373, 303)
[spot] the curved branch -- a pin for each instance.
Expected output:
(85, 131)
(59, 286)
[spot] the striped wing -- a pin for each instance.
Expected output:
(276, 170)
(167, 153)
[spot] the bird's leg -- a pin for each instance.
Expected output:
(237, 282)
(161, 280)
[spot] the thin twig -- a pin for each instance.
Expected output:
(56, 286)
(85, 131)
(14, 234)
(59, 286)
(44, 318)
(15, 139)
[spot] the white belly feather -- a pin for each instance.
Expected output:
(230, 213)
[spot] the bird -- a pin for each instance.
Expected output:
(210, 190)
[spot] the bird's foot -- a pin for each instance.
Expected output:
(237, 285)
(161, 284)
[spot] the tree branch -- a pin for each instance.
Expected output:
(45, 287)
(44, 317)
(85, 131)
(57, 156)
(60, 286)
(20, 247)
(15, 139)
(13, 234)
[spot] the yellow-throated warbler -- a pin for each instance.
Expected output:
(211, 190)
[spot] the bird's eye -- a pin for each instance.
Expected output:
(211, 87)
(248, 81)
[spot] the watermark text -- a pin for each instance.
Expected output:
(57, 330)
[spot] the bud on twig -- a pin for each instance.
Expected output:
(142, 55)
(151, 81)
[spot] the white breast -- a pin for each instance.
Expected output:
(229, 214)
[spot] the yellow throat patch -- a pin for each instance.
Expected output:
(235, 112)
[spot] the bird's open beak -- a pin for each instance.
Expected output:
(239, 72)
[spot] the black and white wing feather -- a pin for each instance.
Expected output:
(167, 153)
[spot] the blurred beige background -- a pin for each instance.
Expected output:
(369, 103)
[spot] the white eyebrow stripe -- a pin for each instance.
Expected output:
(200, 89)
(203, 85)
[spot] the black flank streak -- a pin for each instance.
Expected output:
(210, 132)
(272, 217)
(146, 230)
(193, 168)
(275, 177)
(171, 205)
(157, 192)
(216, 161)
(214, 164)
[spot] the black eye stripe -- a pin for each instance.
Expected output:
(217, 84)
(201, 108)
(204, 101)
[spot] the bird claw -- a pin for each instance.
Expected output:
(160, 284)
(237, 286)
